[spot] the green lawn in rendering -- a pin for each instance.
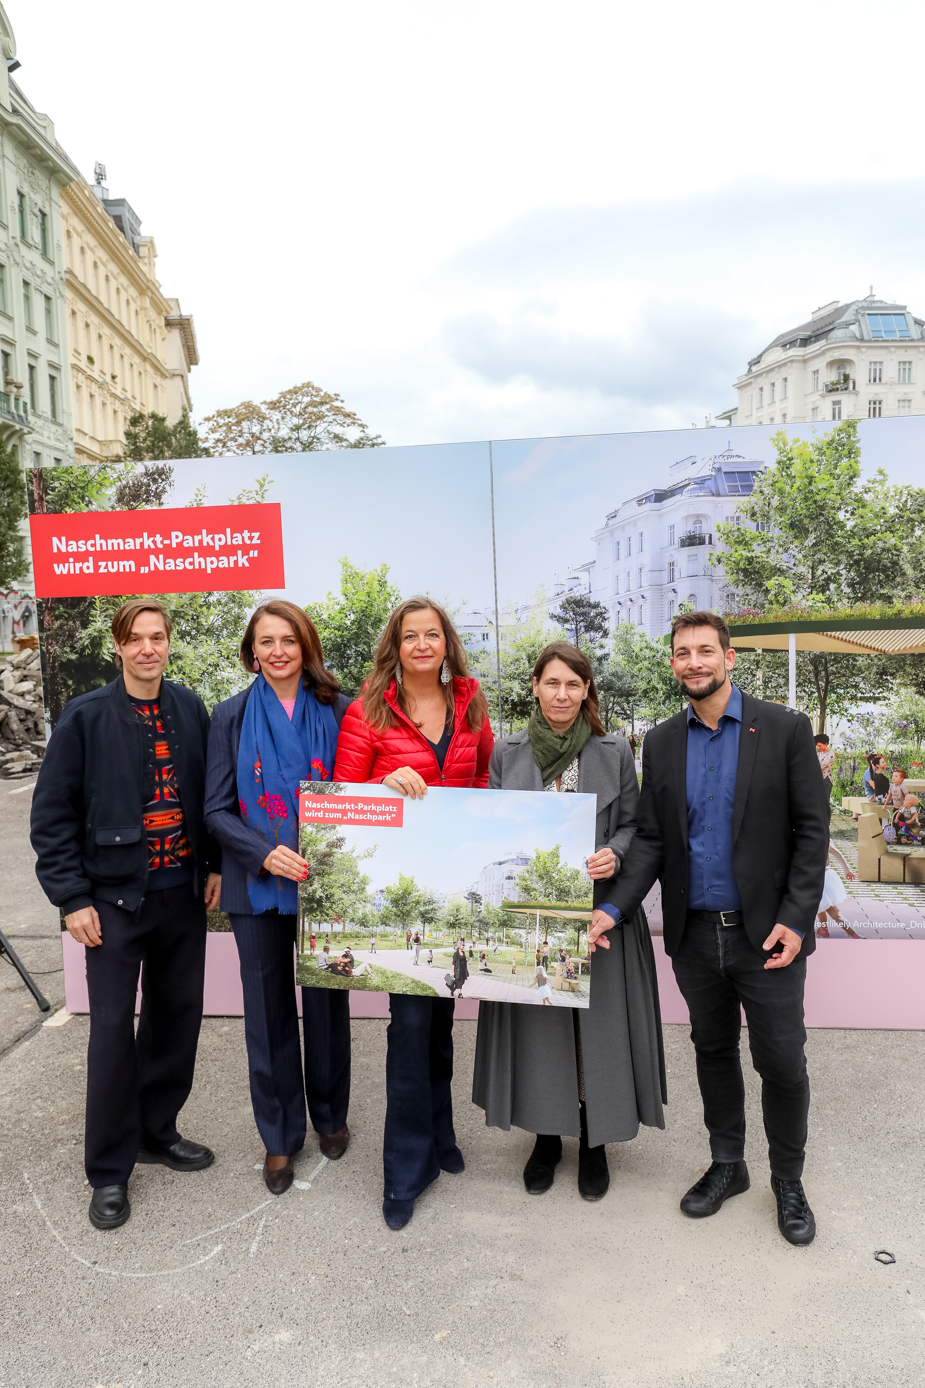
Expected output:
(308, 975)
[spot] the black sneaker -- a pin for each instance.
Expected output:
(795, 1219)
(724, 1179)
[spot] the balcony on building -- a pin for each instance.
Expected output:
(13, 409)
(842, 386)
(695, 537)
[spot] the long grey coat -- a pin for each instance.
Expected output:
(526, 1067)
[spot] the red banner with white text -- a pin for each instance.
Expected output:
(193, 549)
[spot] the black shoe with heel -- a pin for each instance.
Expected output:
(540, 1171)
(722, 1180)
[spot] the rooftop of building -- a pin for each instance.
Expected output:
(719, 475)
(862, 320)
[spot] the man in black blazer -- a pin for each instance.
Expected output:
(734, 823)
(123, 849)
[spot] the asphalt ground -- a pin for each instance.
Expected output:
(213, 1282)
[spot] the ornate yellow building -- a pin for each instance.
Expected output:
(130, 347)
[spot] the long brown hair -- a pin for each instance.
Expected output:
(388, 659)
(314, 675)
(580, 665)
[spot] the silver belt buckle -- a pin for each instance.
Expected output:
(723, 915)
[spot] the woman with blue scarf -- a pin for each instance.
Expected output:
(279, 731)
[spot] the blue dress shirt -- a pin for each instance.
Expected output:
(712, 758)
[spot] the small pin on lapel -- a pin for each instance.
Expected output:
(751, 730)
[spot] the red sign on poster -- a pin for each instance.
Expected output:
(193, 549)
(350, 809)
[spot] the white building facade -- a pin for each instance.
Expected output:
(498, 881)
(653, 552)
(861, 360)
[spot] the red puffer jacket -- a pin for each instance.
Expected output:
(366, 754)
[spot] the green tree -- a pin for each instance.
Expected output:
(456, 918)
(547, 878)
(524, 636)
(402, 903)
(302, 419)
(12, 515)
(584, 620)
(149, 438)
(350, 623)
(428, 910)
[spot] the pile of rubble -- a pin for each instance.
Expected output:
(22, 716)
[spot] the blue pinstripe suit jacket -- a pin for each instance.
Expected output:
(243, 847)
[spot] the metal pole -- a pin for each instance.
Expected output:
(494, 562)
(792, 669)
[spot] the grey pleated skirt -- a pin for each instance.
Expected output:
(526, 1066)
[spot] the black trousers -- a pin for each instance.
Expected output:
(718, 969)
(266, 948)
(418, 1087)
(137, 1084)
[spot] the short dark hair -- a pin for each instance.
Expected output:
(314, 674)
(701, 619)
(123, 619)
(823, 737)
(580, 665)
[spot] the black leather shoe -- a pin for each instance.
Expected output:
(109, 1207)
(180, 1156)
(540, 1171)
(724, 1178)
(278, 1180)
(795, 1219)
(593, 1173)
(334, 1145)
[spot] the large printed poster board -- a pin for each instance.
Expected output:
(429, 853)
(627, 521)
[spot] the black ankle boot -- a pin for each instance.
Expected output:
(593, 1175)
(540, 1171)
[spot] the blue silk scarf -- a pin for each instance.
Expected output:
(274, 755)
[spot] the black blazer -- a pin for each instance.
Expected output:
(88, 805)
(244, 846)
(780, 825)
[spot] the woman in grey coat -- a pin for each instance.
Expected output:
(594, 1073)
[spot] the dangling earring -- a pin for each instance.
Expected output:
(445, 675)
(398, 679)
(256, 667)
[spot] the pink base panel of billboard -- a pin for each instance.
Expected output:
(849, 983)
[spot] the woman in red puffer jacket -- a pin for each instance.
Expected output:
(421, 721)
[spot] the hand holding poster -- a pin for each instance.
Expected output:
(393, 902)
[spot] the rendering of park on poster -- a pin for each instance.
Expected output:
(421, 862)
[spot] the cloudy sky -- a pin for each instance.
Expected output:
(499, 219)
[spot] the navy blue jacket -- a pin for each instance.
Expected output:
(98, 774)
(245, 848)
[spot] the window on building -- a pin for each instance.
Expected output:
(770, 419)
(836, 409)
(671, 570)
(49, 317)
(104, 415)
(53, 396)
(784, 390)
(83, 266)
(27, 303)
(96, 279)
(74, 342)
(43, 233)
(629, 581)
(33, 387)
(772, 388)
(692, 600)
(88, 344)
(91, 413)
(697, 527)
(814, 412)
(629, 546)
(671, 534)
(99, 349)
(903, 406)
(761, 397)
(887, 325)
(112, 361)
(815, 381)
(639, 577)
(639, 545)
(616, 551)
(6, 366)
(874, 409)
(78, 407)
(616, 585)
(36, 459)
(671, 612)
(108, 291)
(616, 617)
(119, 304)
(122, 372)
(783, 418)
(904, 373)
(22, 215)
(3, 300)
(68, 251)
(156, 400)
(875, 372)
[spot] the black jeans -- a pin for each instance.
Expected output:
(717, 969)
(136, 1085)
(418, 1081)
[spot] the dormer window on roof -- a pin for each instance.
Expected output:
(739, 483)
(888, 325)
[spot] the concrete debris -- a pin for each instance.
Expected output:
(22, 715)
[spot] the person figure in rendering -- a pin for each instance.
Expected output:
(421, 721)
(734, 823)
(279, 731)
(876, 781)
(826, 759)
(897, 793)
(123, 849)
(417, 947)
(591, 1073)
(372, 944)
(460, 969)
(312, 941)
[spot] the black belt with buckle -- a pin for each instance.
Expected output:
(723, 918)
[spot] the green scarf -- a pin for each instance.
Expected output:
(553, 752)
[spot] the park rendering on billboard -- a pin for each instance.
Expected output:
(627, 528)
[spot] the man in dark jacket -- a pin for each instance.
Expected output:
(123, 851)
(734, 822)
